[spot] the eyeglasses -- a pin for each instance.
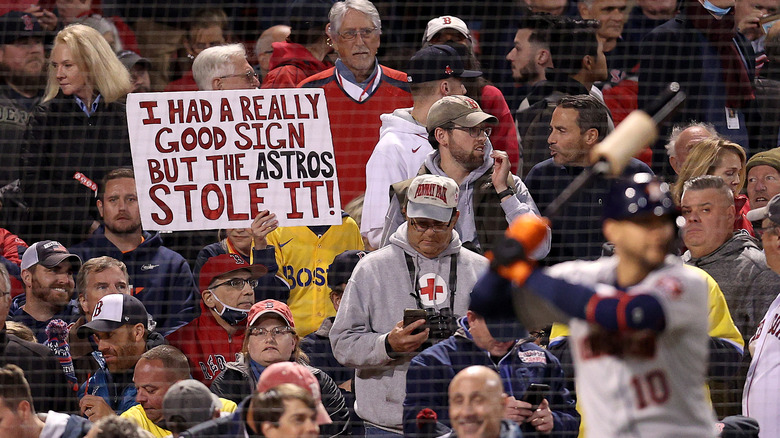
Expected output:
(274, 332)
(237, 283)
(437, 227)
(249, 76)
(366, 33)
(476, 131)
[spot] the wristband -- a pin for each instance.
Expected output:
(507, 192)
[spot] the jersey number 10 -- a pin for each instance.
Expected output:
(650, 388)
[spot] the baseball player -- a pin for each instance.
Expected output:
(638, 320)
(759, 399)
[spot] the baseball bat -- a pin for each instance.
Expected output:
(611, 155)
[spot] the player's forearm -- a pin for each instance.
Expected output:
(632, 312)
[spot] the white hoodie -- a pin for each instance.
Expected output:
(399, 154)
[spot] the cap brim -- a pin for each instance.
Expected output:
(418, 210)
(266, 312)
(470, 74)
(97, 325)
(474, 119)
(56, 259)
(322, 415)
(504, 330)
(758, 214)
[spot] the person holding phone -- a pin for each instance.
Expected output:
(426, 268)
(532, 378)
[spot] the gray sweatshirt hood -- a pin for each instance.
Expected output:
(401, 240)
(741, 240)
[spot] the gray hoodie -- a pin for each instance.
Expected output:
(740, 269)
(374, 301)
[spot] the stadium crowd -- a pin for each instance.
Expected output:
(442, 303)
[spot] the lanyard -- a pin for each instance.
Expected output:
(416, 284)
(232, 250)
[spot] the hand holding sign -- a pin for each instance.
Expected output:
(264, 223)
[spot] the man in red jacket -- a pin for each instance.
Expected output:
(304, 52)
(214, 338)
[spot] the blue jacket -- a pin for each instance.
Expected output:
(577, 233)
(270, 286)
(76, 427)
(160, 277)
(118, 391)
(120, 396)
(432, 370)
(16, 313)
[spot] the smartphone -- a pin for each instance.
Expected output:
(766, 23)
(412, 315)
(535, 394)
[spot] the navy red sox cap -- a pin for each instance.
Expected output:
(437, 62)
(343, 264)
(16, 25)
(638, 196)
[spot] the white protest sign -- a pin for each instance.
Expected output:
(214, 159)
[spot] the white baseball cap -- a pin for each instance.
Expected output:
(432, 197)
(438, 24)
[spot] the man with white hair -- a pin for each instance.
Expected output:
(358, 89)
(224, 68)
(683, 137)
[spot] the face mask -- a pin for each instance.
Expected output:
(714, 9)
(231, 315)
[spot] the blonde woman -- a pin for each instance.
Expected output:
(723, 158)
(75, 137)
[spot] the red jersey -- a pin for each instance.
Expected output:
(355, 125)
(207, 345)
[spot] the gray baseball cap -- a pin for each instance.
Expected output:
(432, 197)
(188, 403)
(771, 211)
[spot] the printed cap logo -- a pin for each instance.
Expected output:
(28, 23)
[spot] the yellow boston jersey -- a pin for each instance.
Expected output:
(303, 257)
(138, 415)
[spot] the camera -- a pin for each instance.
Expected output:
(442, 324)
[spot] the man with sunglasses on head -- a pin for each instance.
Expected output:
(215, 338)
(491, 197)
(424, 267)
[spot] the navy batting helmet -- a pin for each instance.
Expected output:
(639, 195)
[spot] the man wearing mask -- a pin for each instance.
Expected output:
(213, 339)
